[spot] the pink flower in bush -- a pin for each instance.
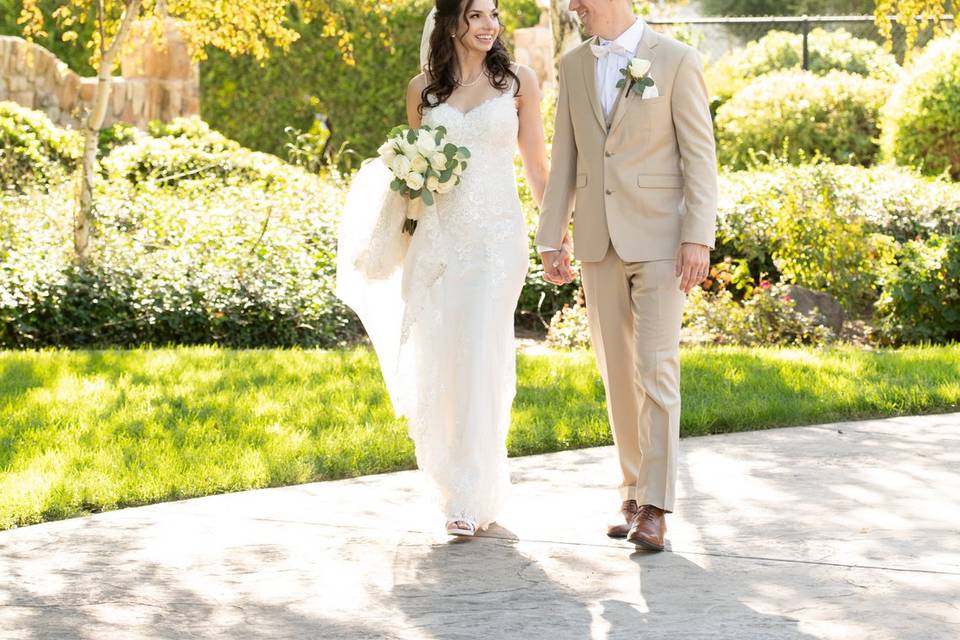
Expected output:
(764, 284)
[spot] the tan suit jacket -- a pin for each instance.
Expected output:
(646, 182)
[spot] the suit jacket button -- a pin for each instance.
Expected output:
(609, 154)
(609, 192)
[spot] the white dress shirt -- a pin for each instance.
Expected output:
(609, 66)
(608, 72)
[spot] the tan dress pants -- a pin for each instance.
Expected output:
(635, 311)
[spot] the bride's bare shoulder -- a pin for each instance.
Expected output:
(417, 83)
(524, 73)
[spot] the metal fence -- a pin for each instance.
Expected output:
(717, 36)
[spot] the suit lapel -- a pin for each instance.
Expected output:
(615, 114)
(589, 67)
(646, 49)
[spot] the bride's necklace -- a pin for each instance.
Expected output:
(470, 84)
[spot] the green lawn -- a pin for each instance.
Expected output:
(86, 431)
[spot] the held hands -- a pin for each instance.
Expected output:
(557, 269)
(693, 265)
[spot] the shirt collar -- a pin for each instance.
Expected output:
(629, 39)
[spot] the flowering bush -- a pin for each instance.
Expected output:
(570, 327)
(767, 316)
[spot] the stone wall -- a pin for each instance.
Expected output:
(533, 47)
(156, 83)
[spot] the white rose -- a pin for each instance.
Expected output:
(446, 187)
(415, 181)
(426, 142)
(639, 67)
(433, 184)
(419, 164)
(400, 166)
(388, 152)
(438, 161)
(409, 150)
(458, 169)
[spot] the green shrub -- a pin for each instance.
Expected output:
(894, 201)
(242, 258)
(783, 51)
(33, 150)
(830, 227)
(818, 247)
(517, 14)
(799, 115)
(186, 149)
(920, 299)
(921, 122)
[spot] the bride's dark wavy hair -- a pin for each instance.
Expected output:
(442, 65)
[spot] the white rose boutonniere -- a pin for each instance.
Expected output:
(636, 76)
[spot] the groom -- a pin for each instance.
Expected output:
(637, 172)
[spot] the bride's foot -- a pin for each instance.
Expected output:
(461, 528)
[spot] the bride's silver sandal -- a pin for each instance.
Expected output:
(461, 528)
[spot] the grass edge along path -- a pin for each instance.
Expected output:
(87, 431)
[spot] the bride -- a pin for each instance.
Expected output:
(442, 324)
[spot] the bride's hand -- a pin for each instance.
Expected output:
(557, 269)
(552, 267)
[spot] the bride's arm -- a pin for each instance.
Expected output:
(414, 89)
(531, 139)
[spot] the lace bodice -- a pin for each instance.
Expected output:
(482, 216)
(489, 131)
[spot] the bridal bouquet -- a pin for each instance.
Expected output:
(423, 163)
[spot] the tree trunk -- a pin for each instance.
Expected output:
(83, 217)
(566, 29)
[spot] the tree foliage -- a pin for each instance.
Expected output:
(911, 15)
(238, 28)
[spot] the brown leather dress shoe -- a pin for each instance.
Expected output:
(629, 510)
(649, 528)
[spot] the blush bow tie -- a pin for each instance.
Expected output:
(603, 50)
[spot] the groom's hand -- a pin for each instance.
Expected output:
(693, 265)
(566, 258)
(552, 265)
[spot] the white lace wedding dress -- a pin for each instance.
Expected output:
(442, 325)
